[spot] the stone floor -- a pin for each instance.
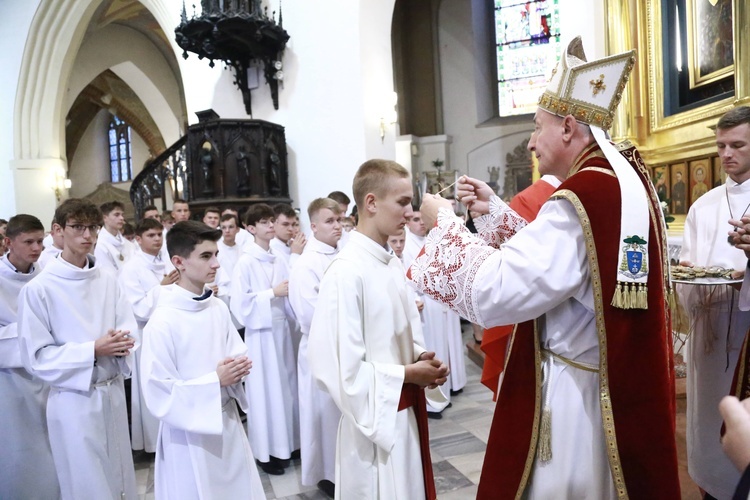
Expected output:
(457, 445)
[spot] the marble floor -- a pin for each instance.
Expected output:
(457, 443)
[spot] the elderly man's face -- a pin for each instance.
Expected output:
(546, 141)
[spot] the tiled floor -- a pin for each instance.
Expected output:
(457, 443)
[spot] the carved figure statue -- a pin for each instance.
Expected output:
(274, 167)
(207, 161)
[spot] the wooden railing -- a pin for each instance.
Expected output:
(165, 177)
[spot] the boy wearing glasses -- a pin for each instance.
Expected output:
(258, 299)
(74, 329)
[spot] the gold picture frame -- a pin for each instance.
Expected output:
(655, 89)
(710, 41)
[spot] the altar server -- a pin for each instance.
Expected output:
(259, 300)
(112, 248)
(26, 466)
(285, 244)
(717, 324)
(77, 331)
(193, 366)
(142, 279)
(366, 350)
(319, 416)
(53, 249)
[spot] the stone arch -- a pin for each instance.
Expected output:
(55, 37)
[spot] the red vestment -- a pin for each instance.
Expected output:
(636, 370)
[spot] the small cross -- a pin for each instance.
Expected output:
(598, 85)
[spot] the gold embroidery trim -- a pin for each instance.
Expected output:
(531, 454)
(605, 401)
(593, 151)
(600, 170)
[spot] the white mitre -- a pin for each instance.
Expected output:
(591, 92)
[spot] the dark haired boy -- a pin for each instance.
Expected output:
(285, 245)
(141, 280)
(26, 464)
(211, 217)
(74, 328)
(193, 365)
(112, 248)
(259, 301)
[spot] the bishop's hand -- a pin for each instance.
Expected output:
(475, 194)
(431, 204)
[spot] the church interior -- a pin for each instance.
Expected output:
(234, 102)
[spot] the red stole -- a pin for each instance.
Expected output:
(413, 395)
(636, 372)
(495, 340)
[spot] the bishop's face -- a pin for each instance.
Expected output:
(546, 142)
(733, 145)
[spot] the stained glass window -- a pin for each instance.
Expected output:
(120, 161)
(528, 46)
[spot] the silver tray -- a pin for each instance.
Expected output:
(708, 280)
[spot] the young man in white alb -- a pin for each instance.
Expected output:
(193, 366)
(211, 217)
(53, 246)
(141, 280)
(284, 245)
(26, 466)
(366, 349)
(319, 415)
(229, 253)
(112, 248)
(258, 299)
(77, 331)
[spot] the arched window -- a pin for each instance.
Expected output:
(120, 164)
(528, 44)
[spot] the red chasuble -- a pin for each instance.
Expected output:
(527, 204)
(636, 366)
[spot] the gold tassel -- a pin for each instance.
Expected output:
(617, 297)
(626, 296)
(545, 435)
(643, 296)
(671, 300)
(633, 295)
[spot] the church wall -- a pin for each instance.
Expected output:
(90, 165)
(478, 143)
(88, 168)
(135, 59)
(14, 25)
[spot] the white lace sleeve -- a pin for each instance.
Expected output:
(445, 270)
(500, 224)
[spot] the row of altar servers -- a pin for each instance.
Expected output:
(287, 411)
